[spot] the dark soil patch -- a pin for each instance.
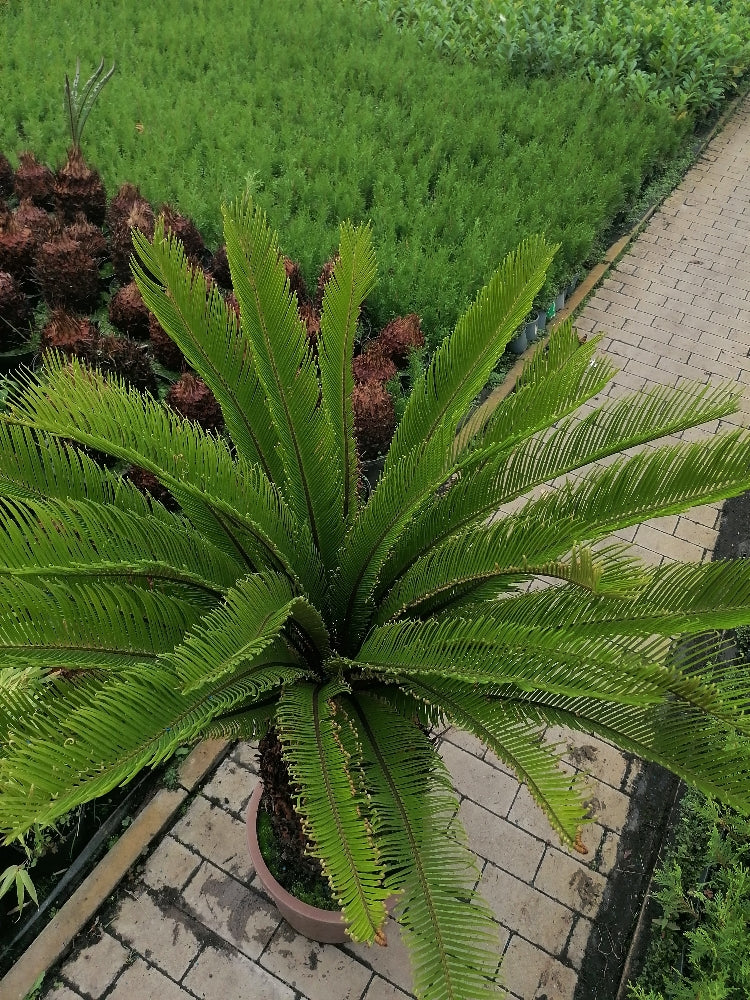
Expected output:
(641, 840)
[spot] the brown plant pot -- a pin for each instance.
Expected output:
(325, 926)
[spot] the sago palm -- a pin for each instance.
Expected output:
(278, 595)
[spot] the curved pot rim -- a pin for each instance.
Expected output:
(332, 919)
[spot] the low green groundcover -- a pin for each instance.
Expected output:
(326, 112)
(700, 944)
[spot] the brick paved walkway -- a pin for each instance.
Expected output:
(191, 922)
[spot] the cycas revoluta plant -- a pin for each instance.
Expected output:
(276, 595)
(79, 188)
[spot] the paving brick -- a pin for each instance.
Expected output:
(170, 866)
(216, 835)
(608, 806)
(526, 910)
(61, 993)
(668, 545)
(531, 974)
(707, 515)
(697, 349)
(199, 762)
(465, 740)
(379, 989)
(698, 534)
(657, 376)
(590, 754)
(226, 907)
(161, 937)
(391, 962)
(578, 942)
(231, 787)
(478, 780)
(229, 975)
(246, 754)
(681, 369)
(570, 882)
(501, 842)
(144, 982)
(319, 971)
(97, 966)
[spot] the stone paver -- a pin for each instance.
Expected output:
(228, 975)
(97, 966)
(392, 963)
(217, 835)
(230, 910)
(677, 304)
(501, 842)
(62, 993)
(171, 865)
(571, 882)
(319, 971)
(379, 989)
(146, 983)
(532, 974)
(231, 787)
(159, 936)
(522, 908)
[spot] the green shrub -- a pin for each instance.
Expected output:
(685, 55)
(701, 940)
(327, 113)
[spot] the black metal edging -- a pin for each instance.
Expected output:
(82, 864)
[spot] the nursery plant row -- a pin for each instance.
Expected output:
(326, 112)
(682, 55)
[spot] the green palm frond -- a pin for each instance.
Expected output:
(463, 362)
(520, 553)
(454, 948)
(79, 627)
(420, 455)
(207, 332)
(518, 659)
(250, 619)
(287, 370)
(38, 467)
(374, 533)
(495, 475)
(244, 724)
(352, 281)
(666, 480)
(554, 383)
(710, 755)
(332, 805)
(559, 661)
(112, 730)
(611, 427)
(680, 598)
(520, 746)
(19, 690)
(83, 541)
(256, 527)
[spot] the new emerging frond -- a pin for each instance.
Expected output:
(287, 371)
(352, 281)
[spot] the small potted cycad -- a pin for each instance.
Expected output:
(277, 596)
